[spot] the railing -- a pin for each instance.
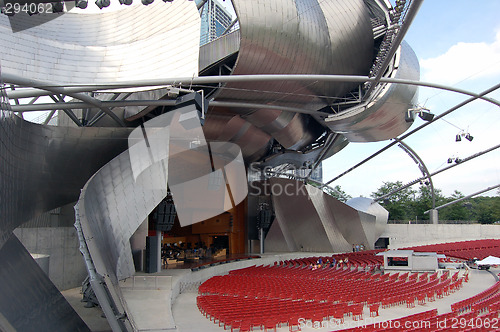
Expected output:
(397, 17)
(449, 222)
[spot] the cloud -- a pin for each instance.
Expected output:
(463, 61)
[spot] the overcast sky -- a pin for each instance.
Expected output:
(458, 44)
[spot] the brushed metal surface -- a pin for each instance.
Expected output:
(226, 126)
(105, 47)
(384, 117)
(44, 167)
(371, 207)
(298, 158)
(29, 300)
(307, 219)
(275, 240)
(122, 194)
(297, 37)
(326, 207)
(219, 49)
(111, 207)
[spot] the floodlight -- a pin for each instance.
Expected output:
(102, 3)
(426, 116)
(458, 138)
(409, 116)
(469, 137)
(82, 4)
(450, 160)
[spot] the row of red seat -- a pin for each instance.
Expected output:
(464, 249)
(354, 259)
(281, 294)
(467, 304)
(477, 313)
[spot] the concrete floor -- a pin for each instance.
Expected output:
(93, 317)
(188, 318)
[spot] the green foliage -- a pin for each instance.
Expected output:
(457, 211)
(409, 204)
(338, 193)
(401, 204)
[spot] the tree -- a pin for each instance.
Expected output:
(423, 201)
(399, 204)
(457, 211)
(338, 193)
(486, 210)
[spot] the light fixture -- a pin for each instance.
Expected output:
(422, 112)
(82, 4)
(458, 138)
(469, 137)
(57, 7)
(409, 116)
(102, 3)
(147, 2)
(426, 116)
(450, 160)
(126, 2)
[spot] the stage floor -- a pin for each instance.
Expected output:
(196, 263)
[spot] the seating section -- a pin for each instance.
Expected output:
(271, 296)
(465, 250)
(296, 291)
(478, 313)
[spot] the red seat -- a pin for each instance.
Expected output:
(374, 309)
(410, 302)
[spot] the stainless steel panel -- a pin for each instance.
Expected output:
(275, 240)
(121, 195)
(219, 49)
(112, 206)
(44, 167)
(299, 159)
(297, 37)
(254, 142)
(297, 216)
(73, 48)
(324, 204)
(384, 117)
(371, 207)
(29, 300)
(310, 220)
(349, 222)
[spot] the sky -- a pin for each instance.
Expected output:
(457, 43)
